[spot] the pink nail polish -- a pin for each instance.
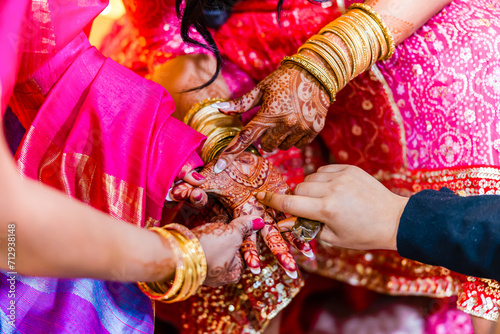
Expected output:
(257, 224)
(198, 197)
(197, 176)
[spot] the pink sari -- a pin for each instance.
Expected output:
(101, 134)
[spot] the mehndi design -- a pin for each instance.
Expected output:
(234, 188)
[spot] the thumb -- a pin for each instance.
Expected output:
(247, 225)
(241, 104)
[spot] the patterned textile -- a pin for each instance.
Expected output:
(101, 134)
(412, 115)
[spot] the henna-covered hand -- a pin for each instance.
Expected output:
(293, 111)
(224, 264)
(235, 188)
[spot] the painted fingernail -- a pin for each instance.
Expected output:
(221, 105)
(168, 198)
(255, 271)
(198, 177)
(292, 274)
(258, 223)
(220, 166)
(198, 197)
(309, 253)
(260, 195)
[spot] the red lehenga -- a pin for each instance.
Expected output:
(415, 122)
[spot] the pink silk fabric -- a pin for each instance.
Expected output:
(94, 129)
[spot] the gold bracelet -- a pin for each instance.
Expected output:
(354, 48)
(324, 53)
(368, 33)
(336, 50)
(357, 35)
(190, 277)
(316, 71)
(375, 30)
(200, 254)
(151, 288)
(380, 22)
(339, 62)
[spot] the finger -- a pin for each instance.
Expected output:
(328, 236)
(194, 178)
(312, 189)
(302, 246)
(300, 206)
(290, 141)
(319, 177)
(278, 246)
(287, 224)
(242, 104)
(274, 137)
(250, 253)
(198, 198)
(180, 192)
(247, 225)
(304, 141)
(333, 168)
(240, 143)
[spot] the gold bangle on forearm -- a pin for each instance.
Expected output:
(316, 71)
(151, 289)
(336, 49)
(375, 29)
(323, 53)
(380, 22)
(350, 45)
(367, 32)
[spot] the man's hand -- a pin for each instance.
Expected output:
(357, 210)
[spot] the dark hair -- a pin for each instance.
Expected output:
(204, 14)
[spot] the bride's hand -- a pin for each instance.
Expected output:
(235, 188)
(293, 108)
(221, 242)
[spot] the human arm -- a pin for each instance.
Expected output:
(61, 237)
(293, 103)
(434, 227)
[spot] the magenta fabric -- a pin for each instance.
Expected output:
(96, 131)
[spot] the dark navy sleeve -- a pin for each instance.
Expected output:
(459, 233)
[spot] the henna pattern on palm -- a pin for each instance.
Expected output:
(292, 113)
(234, 188)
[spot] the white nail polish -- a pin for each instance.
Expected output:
(255, 271)
(168, 198)
(220, 166)
(221, 105)
(309, 254)
(292, 274)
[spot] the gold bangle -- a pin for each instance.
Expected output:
(190, 277)
(368, 33)
(353, 48)
(356, 37)
(380, 22)
(336, 50)
(338, 61)
(375, 30)
(150, 288)
(200, 254)
(323, 52)
(198, 106)
(316, 71)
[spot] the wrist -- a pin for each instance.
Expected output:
(399, 207)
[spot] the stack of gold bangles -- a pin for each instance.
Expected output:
(219, 128)
(366, 37)
(191, 266)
